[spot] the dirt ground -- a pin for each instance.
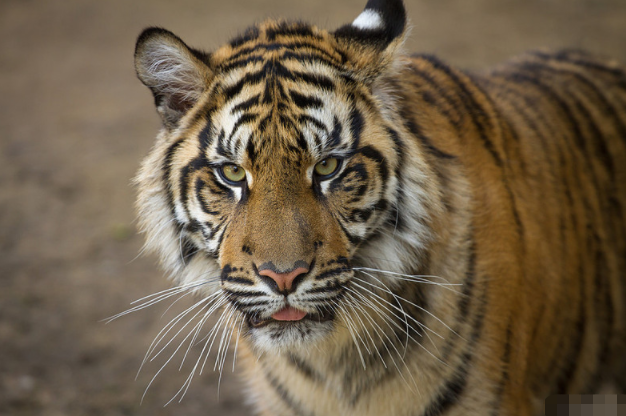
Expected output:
(74, 124)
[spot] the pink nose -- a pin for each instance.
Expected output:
(284, 281)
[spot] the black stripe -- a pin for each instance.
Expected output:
(206, 136)
(305, 118)
(291, 29)
(440, 93)
(316, 80)
(465, 300)
(426, 142)
(312, 59)
(188, 249)
(333, 272)
(240, 63)
(475, 111)
(373, 154)
(304, 368)
(355, 240)
(358, 175)
(245, 294)
(238, 280)
(199, 186)
(505, 375)
(251, 78)
(565, 57)
(167, 170)
(331, 286)
(356, 126)
(283, 394)
(305, 101)
(246, 105)
(451, 392)
(335, 135)
(244, 119)
(569, 358)
(250, 34)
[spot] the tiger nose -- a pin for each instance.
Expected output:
(284, 281)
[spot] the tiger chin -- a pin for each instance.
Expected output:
(385, 234)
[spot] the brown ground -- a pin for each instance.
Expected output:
(75, 123)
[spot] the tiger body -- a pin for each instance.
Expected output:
(509, 183)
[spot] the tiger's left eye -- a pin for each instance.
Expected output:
(233, 173)
(326, 168)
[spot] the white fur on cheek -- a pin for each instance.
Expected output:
(369, 19)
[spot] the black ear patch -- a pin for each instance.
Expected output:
(380, 23)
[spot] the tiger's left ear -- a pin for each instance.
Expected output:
(373, 38)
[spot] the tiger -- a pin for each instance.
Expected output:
(382, 233)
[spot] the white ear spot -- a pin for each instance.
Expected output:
(369, 19)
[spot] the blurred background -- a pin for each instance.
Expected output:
(74, 125)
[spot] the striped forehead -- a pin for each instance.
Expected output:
(279, 94)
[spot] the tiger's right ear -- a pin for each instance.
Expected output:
(373, 39)
(176, 74)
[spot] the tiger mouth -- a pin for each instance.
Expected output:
(323, 316)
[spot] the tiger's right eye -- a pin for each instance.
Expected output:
(233, 174)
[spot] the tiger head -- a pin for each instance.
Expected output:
(278, 170)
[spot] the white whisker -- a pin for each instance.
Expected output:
(417, 306)
(378, 330)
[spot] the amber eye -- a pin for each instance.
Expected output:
(233, 174)
(327, 167)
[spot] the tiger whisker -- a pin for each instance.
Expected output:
(163, 366)
(415, 305)
(165, 330)
(225, 350)
(397, 299)
(387, 317)
(237, 343)
(211, 337)
(345, 315)
(378, 330)
(365, 299)
(354, 309)
(353, 323)
(185, 387)
(160, 296)
(187, 286)
(199, 328)
(421, 278)
(421, 325)
(211, 309)
(221, 344)
(404, 314)
(377, 296)
(171, 325)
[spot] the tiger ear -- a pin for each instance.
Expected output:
(372, 39)
(176, 74)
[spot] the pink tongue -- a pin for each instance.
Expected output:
(289, 314)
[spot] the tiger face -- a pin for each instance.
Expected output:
(276, 170)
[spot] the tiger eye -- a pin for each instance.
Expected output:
(327, 167)
(233, 173)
